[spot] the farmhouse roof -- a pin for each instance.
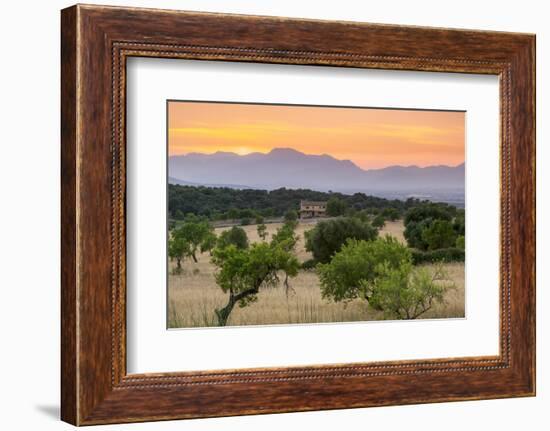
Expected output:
(312, 203)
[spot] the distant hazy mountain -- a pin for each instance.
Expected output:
(284, 167)
(172, 180)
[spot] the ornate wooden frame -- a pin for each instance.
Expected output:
(95, 43)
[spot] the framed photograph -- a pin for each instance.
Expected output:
(265, 215)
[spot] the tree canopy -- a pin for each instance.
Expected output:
(406, 292)
(336, 207)
(328, 236)
(381, 272)
(354, 268)
(188, 238)
(432, 226)
(235, 236)
(221, 203)
(439, 234)
(243, 272)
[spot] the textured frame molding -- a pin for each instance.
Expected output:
(96, 41)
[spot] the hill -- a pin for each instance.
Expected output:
(285, 167)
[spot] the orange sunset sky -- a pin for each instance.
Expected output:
(371, 138)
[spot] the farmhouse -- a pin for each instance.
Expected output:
(310, 209)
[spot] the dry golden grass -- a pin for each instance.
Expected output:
(194, 295)
(395, 229)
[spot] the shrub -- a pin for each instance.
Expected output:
(459, 223)
(390, 214)
(328, 236)
(354, 268)
(451, 254)
(460, 242)
(336, 207)
(286, 235)
(429, 211)
(235, 236)
(259, 219)
(309, 264)
(190, 237)
(262, 231)
(291, 215)
(439, 234)
(406, 292)
(378, 221)
(413, 233)
(381, 273)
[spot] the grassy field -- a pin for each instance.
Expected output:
(193, 295)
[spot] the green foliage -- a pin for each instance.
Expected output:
(247, 213)
(430, 226)
(429, 210)
(225, 203)
(460, 242)
(233, 214)
(291, 215)
(188, 238)
(235, 236)
(352, 271)
(451, 254)
(286, 235)
(413, 233)
(381, 272)
(405, 292)
(426, 226)
(208, 242)
(245, 221)
(243, 272)
(439, 234)
(262, 231)
(336, 207)
(178, 248)
(362, 215)
(309, 264)
(391, 213)
(459, 223)
(328, 236)
(378, 221)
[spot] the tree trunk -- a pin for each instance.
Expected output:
(223, 313)
(178, 263)
(194, 257)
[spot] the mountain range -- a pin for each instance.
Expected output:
(285, 167)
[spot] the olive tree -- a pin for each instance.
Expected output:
(381, 273)
(286, 235)
(420, 218)
(379, 221)
(354, 268)
(336, 207)
(235, 236)
(406, 292)
(262, 231)
(291, 215)
(178, 248)
(390, 214)
(439, 234)
(189, 238)
(261, 228)
(242, 273)
(328, 236)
